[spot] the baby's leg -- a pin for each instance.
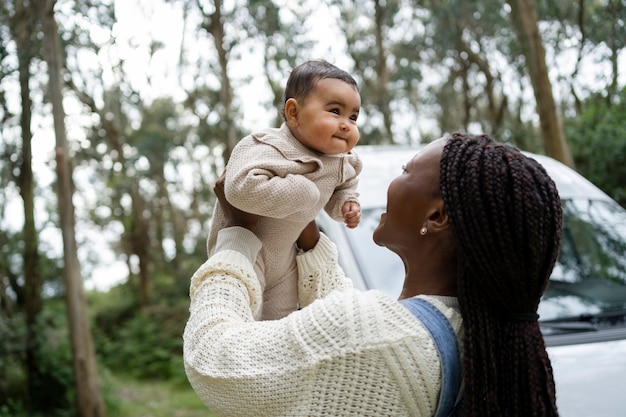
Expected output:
(281, 298)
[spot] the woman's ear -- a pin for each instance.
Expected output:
(437, 217)
(291, 112)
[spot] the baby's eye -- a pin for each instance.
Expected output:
(336, 111)
(354, 117)
(404, 169)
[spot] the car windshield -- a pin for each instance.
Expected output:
(589, 277)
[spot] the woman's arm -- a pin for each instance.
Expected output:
(319, 272)
(239, 366)
(233, 362)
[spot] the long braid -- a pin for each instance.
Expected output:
(506, 217)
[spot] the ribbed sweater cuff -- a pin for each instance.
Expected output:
(239, 239)
(323, 253)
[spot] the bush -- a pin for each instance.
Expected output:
(12, 358)
(148, 344)
(597, 139)
(49, 390)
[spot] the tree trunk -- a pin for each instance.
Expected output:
(615, 11)
(138, 238)
(382, 71)
(140, 241)
(88, 398)
(524, 17)
(21, 26)
(214, 24)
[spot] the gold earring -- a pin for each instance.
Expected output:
(423, 231)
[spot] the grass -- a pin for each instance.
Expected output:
(135, 398)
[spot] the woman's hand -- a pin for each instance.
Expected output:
(308, 237)
(234, 216)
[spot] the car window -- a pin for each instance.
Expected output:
(590, 275)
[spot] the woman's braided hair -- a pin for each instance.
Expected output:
(506, 217)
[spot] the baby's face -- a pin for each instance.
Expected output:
(326, 120)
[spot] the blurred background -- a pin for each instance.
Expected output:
(117, 116)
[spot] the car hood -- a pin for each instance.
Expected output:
(600, 368)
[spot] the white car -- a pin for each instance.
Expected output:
(583, 311)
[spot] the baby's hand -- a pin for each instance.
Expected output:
(351, 211)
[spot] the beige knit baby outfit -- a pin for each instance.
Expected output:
(270, 173)
(346, 353)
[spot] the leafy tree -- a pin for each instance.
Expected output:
(26, 50)
(467, 38)
(525, 21)
(23, 279)
(598, 143)
(151, 160)
(20, 22)
(216, 16)
(88, 398)
(385, 41)
(283, 41)
(596, 32)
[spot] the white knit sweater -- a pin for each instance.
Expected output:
(350, 353)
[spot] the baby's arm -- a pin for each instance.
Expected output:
(351, 211)
(261, 181)
(339, 207)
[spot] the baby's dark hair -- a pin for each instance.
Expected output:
(304, 77)
(506, 217)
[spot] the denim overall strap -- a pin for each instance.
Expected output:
(445, 340)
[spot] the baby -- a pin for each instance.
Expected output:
(287, 175)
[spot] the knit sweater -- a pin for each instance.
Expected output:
(272, 174)
(346, 353)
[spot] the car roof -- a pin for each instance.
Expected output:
(382, 163)
(569, 182)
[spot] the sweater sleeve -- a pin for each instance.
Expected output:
(261, 181)
(347, 190)
(319, 272)
(236, 365)
(236, 251)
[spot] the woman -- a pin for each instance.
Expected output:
(477, 225)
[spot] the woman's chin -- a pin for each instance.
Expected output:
(378, 231)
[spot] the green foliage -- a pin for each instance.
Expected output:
(13, 408)
(55, 376)
(597, 139)
(12, 356)
(52, 385)
(142, 343)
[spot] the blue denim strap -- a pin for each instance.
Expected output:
(445, 340)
